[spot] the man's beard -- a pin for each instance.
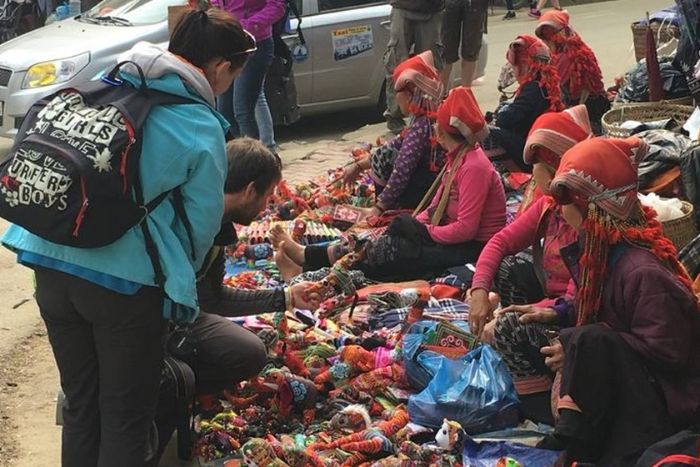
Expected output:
(243, 216)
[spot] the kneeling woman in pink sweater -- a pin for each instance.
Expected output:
(466, 210)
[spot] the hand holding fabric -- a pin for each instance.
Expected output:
(533, 314)
(479, 310)
(303, 299)
(350, 174)
(554, 356)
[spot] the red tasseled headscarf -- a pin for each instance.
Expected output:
(575, 61)
(531, 61)
(419, 76)
(600, 175)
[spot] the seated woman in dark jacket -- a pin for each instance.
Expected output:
(630, 372)
(579, 72)
(538, 92)
(404, 168)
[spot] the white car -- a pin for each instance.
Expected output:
(340, 67)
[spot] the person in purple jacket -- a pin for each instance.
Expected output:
(238, 104)
(630, 372)
(404, 168)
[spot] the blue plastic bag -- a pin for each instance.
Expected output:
(421, 364)
(475, 390)
(487, 454)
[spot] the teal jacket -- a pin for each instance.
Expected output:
(183, 145)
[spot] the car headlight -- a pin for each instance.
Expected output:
(55, 72)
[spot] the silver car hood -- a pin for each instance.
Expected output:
(71, 37)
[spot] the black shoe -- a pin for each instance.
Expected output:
(509, 15)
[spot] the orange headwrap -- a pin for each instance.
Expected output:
(460, 114)
(576, 63)
(554, 133)
(600, 175)
(531, 61)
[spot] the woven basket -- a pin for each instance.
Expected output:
(686, 100)
(681, 231)
(663, 33)
(648, 112)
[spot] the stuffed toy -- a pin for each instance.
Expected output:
(338, 373)
(364, 360)
(376, 381)
(258, 452)
(450, 437)
(219, 437)
(294, 393)
(372, 441)
(352, 418)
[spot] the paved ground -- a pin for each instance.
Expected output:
(28, 379)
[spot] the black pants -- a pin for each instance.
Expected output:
(394, 259)
(623, 407)
(512, 143)
(226, 353)
(108, 348)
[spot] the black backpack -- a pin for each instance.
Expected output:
(280, 88)
(72, 176)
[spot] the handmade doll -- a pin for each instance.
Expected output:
(257, 452)
(293, 393)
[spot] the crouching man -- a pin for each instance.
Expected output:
(220, 351)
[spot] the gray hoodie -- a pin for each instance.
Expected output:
(156, 62)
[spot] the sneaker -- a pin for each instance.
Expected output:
(534, 13)
(509, 15)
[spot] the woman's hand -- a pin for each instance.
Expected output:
(351, 173)
(479, 311)
(488, 335)
(554, 356)
(366, 213)
(303, 299)
(533, 314)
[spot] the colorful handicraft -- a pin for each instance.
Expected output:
(257, 452)
(338, 280)
(374, 440)
(293, 393)
(352, 418)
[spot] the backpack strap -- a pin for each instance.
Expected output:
(291, 4)
(179, 205)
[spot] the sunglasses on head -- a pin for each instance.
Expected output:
(253, 47)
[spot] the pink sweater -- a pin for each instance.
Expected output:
(521, 234)
(476, 208)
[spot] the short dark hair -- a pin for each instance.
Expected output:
(203, 35)
(250, 161)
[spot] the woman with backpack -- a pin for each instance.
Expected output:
(240, 102)
(106, 308)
